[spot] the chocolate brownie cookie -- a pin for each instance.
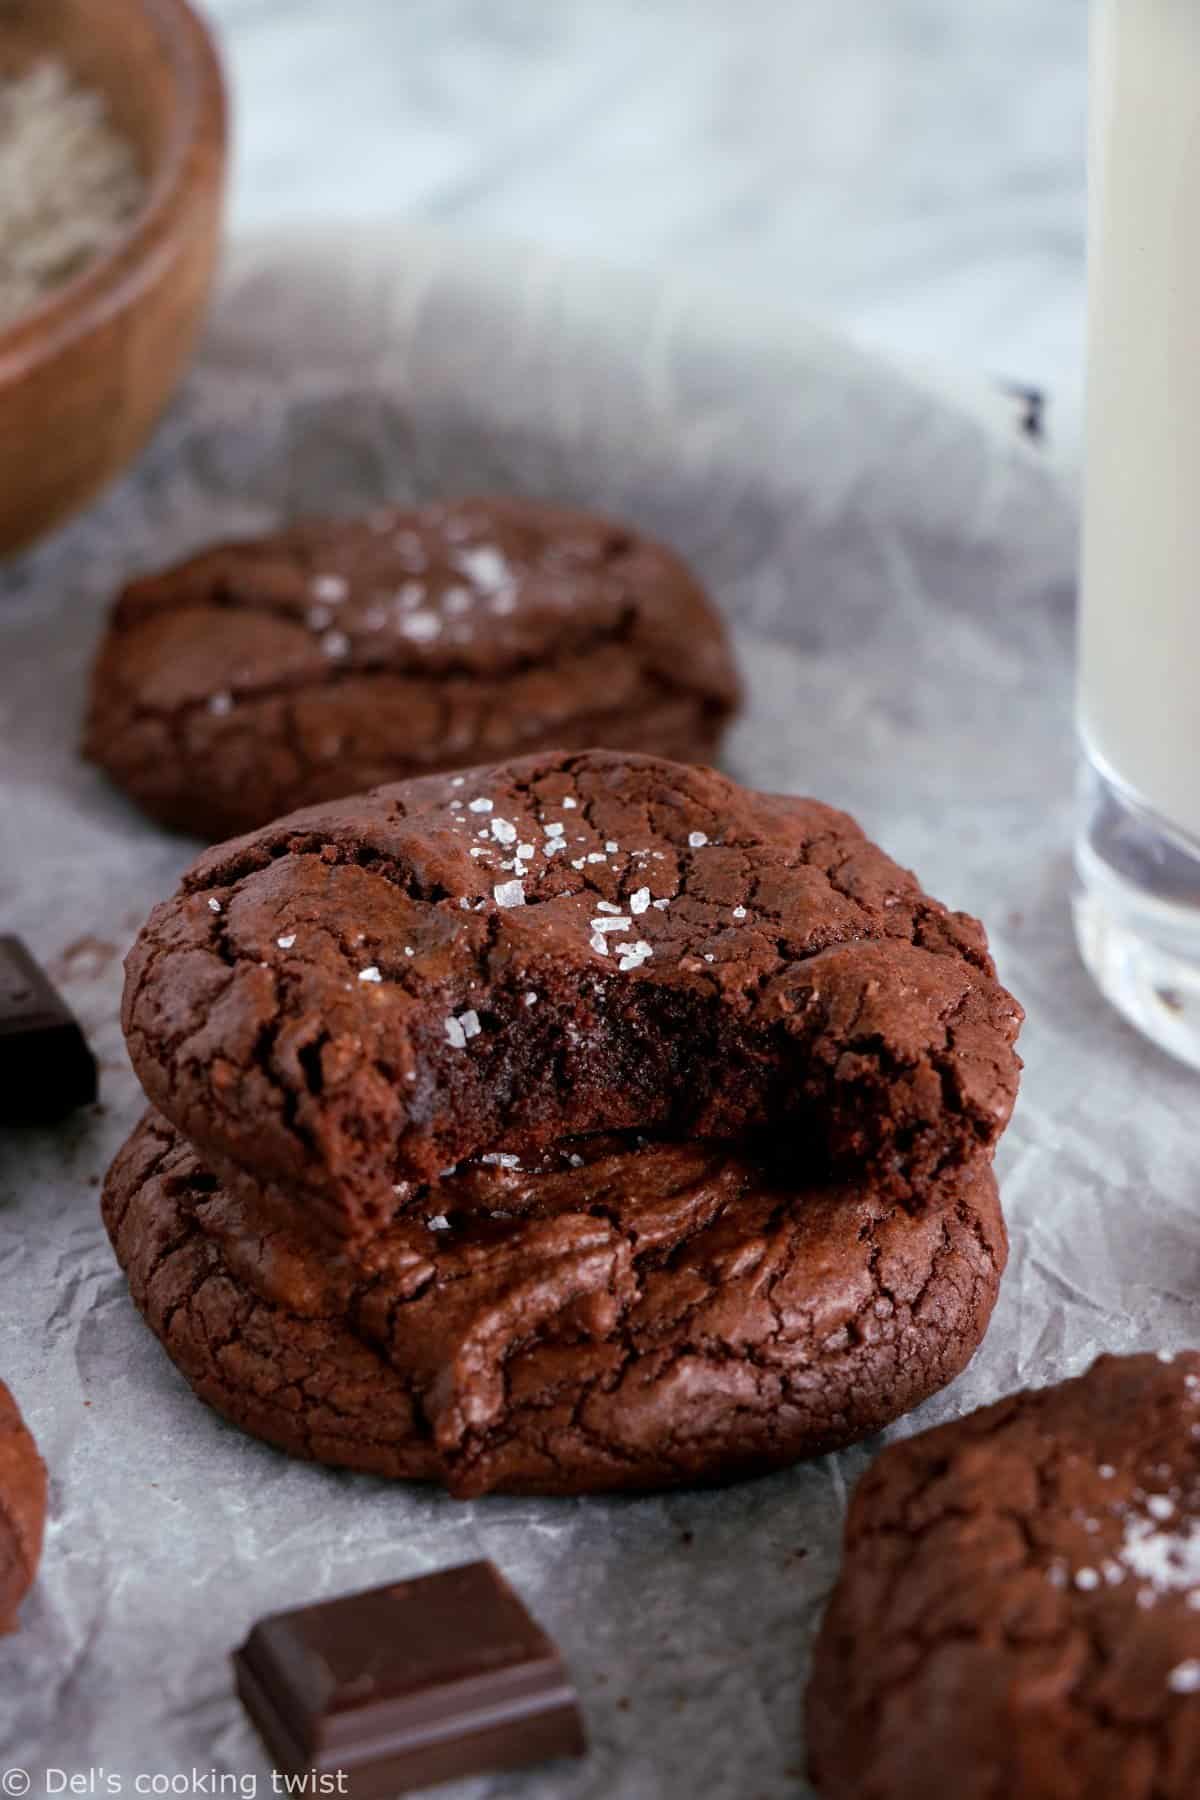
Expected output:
(370, 992)
(22, 1509)
(626, 1317)
(264, 676)
(1019, 1608)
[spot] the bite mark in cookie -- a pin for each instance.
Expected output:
(359, 995)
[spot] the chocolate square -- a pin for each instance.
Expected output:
(410, 1684)
(46, 1068)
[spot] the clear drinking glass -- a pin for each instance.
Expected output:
(1137, 902)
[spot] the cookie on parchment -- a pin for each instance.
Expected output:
(262, 676)
(22, 1509)
(627, 1317)
(367, 993)
(1018, 1612)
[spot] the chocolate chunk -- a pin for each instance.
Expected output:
(410, 1684)
(46, 1068)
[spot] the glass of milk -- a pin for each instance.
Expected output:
(1137, 906)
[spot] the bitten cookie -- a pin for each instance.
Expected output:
(22, 1509)
(370, 992)
(259, 677)
(1019, 1606)
(627, 1317)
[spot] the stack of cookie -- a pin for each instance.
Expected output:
(577, 1123)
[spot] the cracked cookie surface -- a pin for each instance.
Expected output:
(626, 1317)
(262, 676)
(1019, 1605)
(370, 992)
(22, 1509)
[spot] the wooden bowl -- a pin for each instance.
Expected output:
(85, 375)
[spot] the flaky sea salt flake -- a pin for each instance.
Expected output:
(421, 627)
(486, 566)
(635, 955)
(332, 589)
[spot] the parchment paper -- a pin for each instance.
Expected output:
(899, 567)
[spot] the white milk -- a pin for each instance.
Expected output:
(1140, 628)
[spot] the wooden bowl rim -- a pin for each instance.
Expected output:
(194, 151)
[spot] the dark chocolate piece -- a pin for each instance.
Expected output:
(46, 1068)
(411, 1684)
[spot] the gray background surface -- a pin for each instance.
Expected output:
(909, 169)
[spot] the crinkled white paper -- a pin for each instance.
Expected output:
(899, 568)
